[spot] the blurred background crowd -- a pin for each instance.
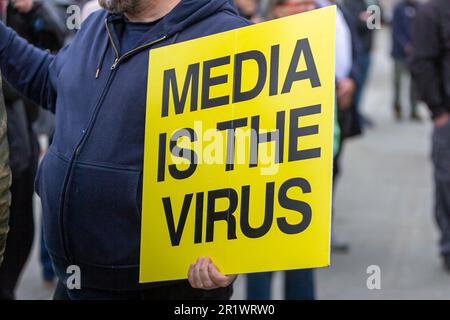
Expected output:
(370, 92)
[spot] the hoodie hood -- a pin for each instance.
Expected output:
(188, 12)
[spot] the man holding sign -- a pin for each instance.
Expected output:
(238, 151)
(194, 202)
(90, 180)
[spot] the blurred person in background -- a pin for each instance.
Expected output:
(5, 177)
(249, 9)
(349, 65)
(360, 13)
(299, 284)
(404, 15)
(38, 23)
(430, 66)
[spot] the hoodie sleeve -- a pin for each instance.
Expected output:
(26, 67)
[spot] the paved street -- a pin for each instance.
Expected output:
(383, 208)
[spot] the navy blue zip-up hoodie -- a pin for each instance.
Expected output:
(90, 181)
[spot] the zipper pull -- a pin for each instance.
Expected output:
(78, 150)
(115, 64)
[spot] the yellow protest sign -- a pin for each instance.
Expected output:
(238, 150)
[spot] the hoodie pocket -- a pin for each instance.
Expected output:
(49, 184)
(103, 217)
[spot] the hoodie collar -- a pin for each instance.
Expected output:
(185, 14)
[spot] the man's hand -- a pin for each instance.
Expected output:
(205, 275)
(442, 120)
(23, 6)
(345, 90)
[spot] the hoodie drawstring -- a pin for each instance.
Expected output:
(100, 64)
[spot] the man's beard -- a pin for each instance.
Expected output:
(120, 6)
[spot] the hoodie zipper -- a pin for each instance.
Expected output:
(86, 133)
(131, 52)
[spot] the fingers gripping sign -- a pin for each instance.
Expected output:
(204, 275)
